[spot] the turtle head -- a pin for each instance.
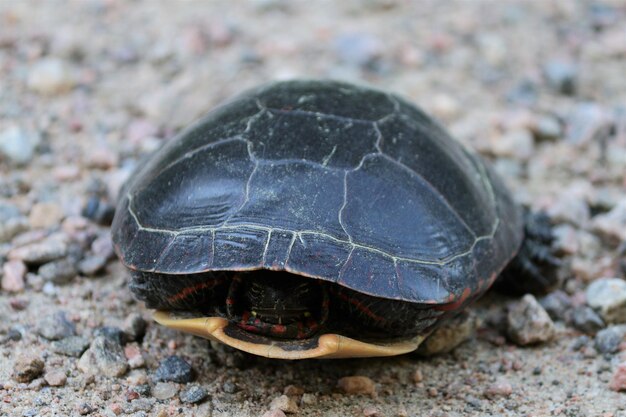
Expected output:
(277, 304)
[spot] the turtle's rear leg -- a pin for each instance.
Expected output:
(535, 268)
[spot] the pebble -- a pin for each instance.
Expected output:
(450, 335)
(417, 376)
(571, 209)
(116, 409)
(103, 246)
(17, 145)
(92, 265)
(13, 273)
(556, 304)
(586, 320)
(546, 128)
(229, 387)
(101, 158)
(193, 394)
(51, 76)
(372, 412)
(565, 240)
(500, 388)
(112, 333)
(45, 215)
(285, 404)
(175, 369)
(164, 390)
(58, 272)
(612, 225)
(70, 346)
(143, 404)
(98, 210)
(357, 385)
(359, 49)
(8, 211)
(134, 356)
(528, 323)
(40, 252)
(608, 297)
(55, 378)
(584, 121)
(56, 326)
(274, 413)
(293, 390)
(18, 304)
(608, 340)
(516, 143)
(104, 356)
(308, 399)
(561, 76)
(134, 327)
(12, 227)
(618, 381)
(27, 367)
(84, 408)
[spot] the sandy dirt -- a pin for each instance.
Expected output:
(89, 88)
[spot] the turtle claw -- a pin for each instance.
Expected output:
(535, 268)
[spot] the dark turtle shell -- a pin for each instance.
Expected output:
(327, 180)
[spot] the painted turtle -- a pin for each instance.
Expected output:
(319, 219)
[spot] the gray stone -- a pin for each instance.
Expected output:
(134, 327)
(585, 121)
(104, 356)
(609, 339)
(285, 404)
(58, 272)
(112, 333)
(556, 304)
(586, 320)
(612, 225)
(608, 297)
(175, 369)
(164, 390)
(450, 335)
(56, 326)
(41, 252)
(8, 211)
(51, 76)
(547, 128)
(70, 346)
(17, 145)
(358, 49)
(561, 76)
(193, 394)
(516, 143)
(12, 227)
(92, 265)
(528, 323)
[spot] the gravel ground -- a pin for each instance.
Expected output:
(89, 88)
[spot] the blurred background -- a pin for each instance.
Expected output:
(89, 88)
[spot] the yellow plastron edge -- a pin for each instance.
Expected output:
(329, 346)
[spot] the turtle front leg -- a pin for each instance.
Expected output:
(535, 268)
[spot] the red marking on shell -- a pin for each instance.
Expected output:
(278, 329)
(194, 288)
(361, 307)
(455, 305)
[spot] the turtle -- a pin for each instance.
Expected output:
(321, 219)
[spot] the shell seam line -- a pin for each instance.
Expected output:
(311, 232)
